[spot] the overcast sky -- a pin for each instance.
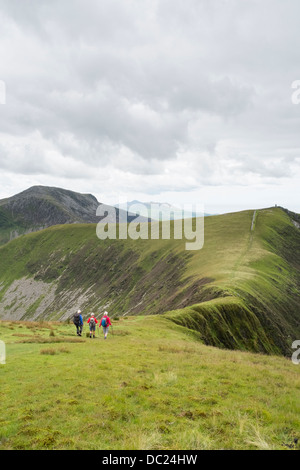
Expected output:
(162, 100)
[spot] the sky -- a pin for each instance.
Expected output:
(178, 101)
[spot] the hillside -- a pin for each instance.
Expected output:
(40, 207)
(241, 291)
(151, 385)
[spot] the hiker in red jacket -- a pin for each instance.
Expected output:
(105, 323)
(92, 321)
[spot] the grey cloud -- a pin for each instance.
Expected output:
(95, 78)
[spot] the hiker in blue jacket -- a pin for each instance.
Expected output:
(105, 323)
(78, 322)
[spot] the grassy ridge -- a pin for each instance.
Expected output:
(225, 321)
(259, 271)
(240, 291)
(152, 385)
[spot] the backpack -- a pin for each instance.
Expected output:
(104, 322)
(92, 321)
(76, 319)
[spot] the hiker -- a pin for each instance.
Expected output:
(92, 324)
(78, 322)
(105, 323)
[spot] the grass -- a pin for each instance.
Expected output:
(211, 319)
(151, 385)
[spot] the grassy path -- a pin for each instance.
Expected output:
(247, 248)
(253, 221)
(150, 386)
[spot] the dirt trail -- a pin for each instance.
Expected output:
(249, 244)
(253, 221)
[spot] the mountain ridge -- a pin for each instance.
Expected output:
(40, 207)
(240, 291)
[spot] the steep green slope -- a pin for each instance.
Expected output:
(260, 276)
(240, 291)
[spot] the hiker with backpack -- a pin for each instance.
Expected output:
(78, 322)
(92, 321)
(105, 323)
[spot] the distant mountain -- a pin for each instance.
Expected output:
(165, 211)
(40, 207)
